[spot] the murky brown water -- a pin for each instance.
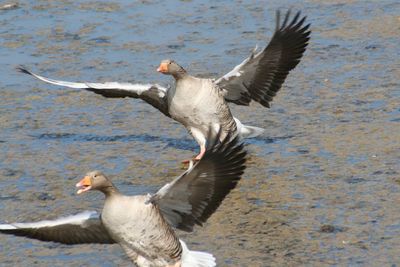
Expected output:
(322, 186)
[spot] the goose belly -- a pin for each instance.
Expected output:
(141, 231)
(194, 115)
(198, 112)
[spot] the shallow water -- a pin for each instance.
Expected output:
(322, 185)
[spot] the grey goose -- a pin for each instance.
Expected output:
(197, 103)
(143, 225)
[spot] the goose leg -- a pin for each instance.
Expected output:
(201, 140)
(198, 157)
(201, 154)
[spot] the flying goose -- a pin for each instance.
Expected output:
(143, 225)
(198, 103)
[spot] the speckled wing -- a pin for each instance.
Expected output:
(195, 195)
(154, 94)
(260, 76)
(85, 227)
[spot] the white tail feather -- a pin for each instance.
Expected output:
(246, 131)
(196, 258)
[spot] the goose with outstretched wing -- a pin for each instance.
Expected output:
(143, 225)
(197, 102)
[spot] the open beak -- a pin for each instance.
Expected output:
(163, 68)
(84, 185)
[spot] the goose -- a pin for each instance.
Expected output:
(144, 225)
(199, 102)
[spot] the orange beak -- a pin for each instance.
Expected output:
(84, 185)
(163, 68)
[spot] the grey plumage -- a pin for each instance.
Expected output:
(191, 198)
(84, 227)
(144, 225)
(259, 77)
(199, 104)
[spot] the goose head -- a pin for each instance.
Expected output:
(170, 67)
(95, 180)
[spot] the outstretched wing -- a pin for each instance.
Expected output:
(260, 76)
(192, 197)
(85, 227)
(154, 94)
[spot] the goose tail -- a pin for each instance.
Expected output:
(246, 131)
(196, 258)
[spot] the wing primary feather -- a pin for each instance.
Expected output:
(286, 19)
(263, 75)
(81, 228)
(296, 17)
(23, 69)
(278, 20)
(153, 94)
(194, 196)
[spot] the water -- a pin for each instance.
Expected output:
(322, 185)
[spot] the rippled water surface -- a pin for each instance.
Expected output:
(322, 185)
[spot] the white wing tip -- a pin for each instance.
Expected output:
(79, 218)
(7, 227)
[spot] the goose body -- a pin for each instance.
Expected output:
(150, 237)
(199, 104)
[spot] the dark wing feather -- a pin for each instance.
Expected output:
(153, 94)
(260, 76)
(194, 196)
(85, 227)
